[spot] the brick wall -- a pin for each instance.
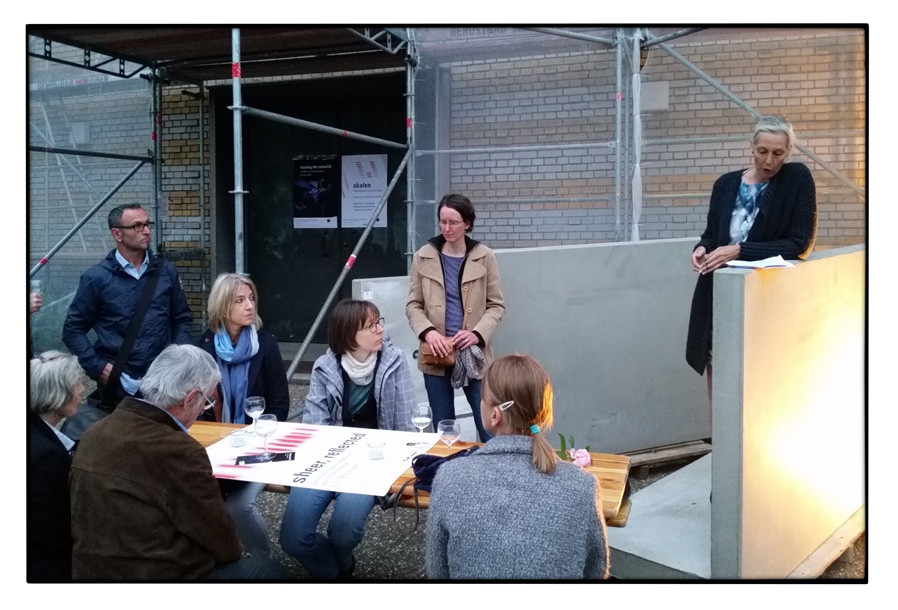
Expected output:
(816, 78)
(559, 190)
(117, 118)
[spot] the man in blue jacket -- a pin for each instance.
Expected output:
(108, 297)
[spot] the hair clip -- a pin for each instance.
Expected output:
(505, 405)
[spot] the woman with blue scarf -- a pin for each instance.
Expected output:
(251, 365)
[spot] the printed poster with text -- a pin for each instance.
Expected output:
(364, 184)
(315, 192)
(334, 458)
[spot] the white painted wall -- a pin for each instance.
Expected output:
(789, 411)
(608, 321)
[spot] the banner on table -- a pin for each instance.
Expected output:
(335, 458)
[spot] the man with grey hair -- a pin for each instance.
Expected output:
(145, 505)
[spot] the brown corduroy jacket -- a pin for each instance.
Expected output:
(145, 505)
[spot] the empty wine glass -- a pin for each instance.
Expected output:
(421, 416)
(448, 429)
(254, 407)
(265, 426)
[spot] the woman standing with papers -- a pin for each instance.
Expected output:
(766, 210)
(362, 381)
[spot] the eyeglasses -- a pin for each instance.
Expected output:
(451, 223)
(373, 326)
(210, 402)
(137, 227)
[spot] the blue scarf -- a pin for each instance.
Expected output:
(233, 360)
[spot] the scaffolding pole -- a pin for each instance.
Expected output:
(411, 68)
(156, 136)
(347, 267)
(512, 149)
(238, 191)
(280, 118)
(574, 35)
(618, 118)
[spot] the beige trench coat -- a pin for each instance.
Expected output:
(481, 291)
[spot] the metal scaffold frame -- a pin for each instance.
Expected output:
(239, 110)
(628, 44)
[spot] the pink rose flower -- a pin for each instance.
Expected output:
(580, 457)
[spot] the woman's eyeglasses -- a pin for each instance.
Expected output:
(451, 223)
(373, 325)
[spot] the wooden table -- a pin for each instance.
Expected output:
(611, 470)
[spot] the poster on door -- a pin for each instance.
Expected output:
(315, 192)
(364, 184)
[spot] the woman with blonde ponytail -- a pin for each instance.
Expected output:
(512, 510)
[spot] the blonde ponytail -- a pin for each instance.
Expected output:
(523, 381)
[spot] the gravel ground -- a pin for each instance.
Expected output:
(393, 548)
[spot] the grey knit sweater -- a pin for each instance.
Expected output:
(493, 515)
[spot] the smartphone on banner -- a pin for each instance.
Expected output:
(260, 459)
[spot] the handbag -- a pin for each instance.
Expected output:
(425, 466)
(429, 358)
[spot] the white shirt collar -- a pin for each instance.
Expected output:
(131, 269)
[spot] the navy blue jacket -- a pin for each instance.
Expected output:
(107, 297)
(267, 376)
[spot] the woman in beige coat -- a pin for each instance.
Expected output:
(454, 299)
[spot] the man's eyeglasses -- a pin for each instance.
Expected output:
(210, 402)
(373, 325)
(451, 223)
(137, 227)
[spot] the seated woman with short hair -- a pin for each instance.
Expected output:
(362, 381)
(56, 389)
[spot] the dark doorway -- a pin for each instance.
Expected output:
(296, 268)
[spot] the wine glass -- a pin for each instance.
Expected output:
(421, 416)
(254, 407)
(448, 429)
(265, 425)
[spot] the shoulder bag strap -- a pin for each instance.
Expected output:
(133, 326)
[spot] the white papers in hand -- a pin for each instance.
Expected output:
(773, 261)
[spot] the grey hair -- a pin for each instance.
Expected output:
(176, 371)
(54, 377)
(776, 125)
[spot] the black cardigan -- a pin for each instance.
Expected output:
(49, 525)
(786, 225)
